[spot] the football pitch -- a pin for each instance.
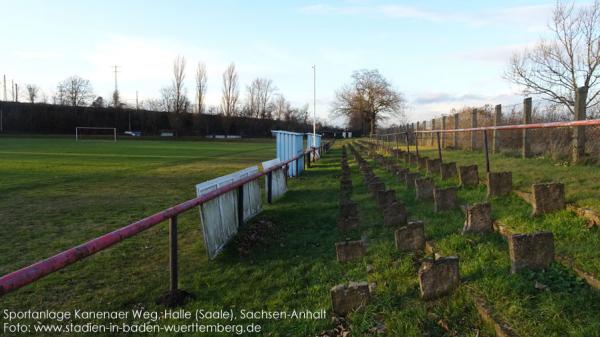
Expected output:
(56, 193)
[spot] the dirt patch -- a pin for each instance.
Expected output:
(252, 235)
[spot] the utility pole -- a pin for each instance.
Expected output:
(4, 88)
(16, 92)
(12, 89)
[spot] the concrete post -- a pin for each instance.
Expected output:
(496, 134)
(455, 134)
(444, 126)
(578, 150)
(526, 149)
(473, 133)
(433, 136)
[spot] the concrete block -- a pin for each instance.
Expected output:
(410, 237)
(468, 175)
(433, 166)
(445, 198)
(479, 218)
(424, 188)
(448, 171)
(499, 184)
(438, 277)
(348, 298)
(350, 250)
(395, 215)
(531, 251)
(548, 198)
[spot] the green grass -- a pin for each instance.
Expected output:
(570, 308)
(582, 183)
(56, 193)
(582, 186)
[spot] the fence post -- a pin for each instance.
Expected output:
(439, 145)
(496, 133)
(174, 282)
(412, 128)
(455, 134)
(473, 133)
(432, 135)
(578, 150)
(270, 187)
(526, 147)
(444, 126)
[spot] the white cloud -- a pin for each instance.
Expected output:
(531, 18)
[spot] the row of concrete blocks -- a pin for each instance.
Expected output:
(546, 197)
(440, 276)
(348, 218)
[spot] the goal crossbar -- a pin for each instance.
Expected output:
(78, 133)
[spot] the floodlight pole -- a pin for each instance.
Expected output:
(314, 105)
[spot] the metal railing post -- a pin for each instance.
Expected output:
(173, 254)
(417, 144)
(270, 187)
(487, 155)
(240, 205)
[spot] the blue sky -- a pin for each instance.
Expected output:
(441, 54)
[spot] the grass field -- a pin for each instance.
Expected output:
(56, 194)
(570, 308)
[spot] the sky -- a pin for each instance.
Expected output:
(440, 54)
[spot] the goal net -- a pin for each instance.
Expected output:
(95, 133)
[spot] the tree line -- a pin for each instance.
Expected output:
(261, 98)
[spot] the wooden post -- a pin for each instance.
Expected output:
(412, 128)
(444, 126)
(473, 133)
(578, 150)
(496, 134)
(526, 147)
(455, 134)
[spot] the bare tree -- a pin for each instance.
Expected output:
(74, 91)
(32, 92)
(180, 101)
(201, 78)
(369, 97)
(555, 68)
(281, 108)
(252, 101)
(167, 99)
(231, 92)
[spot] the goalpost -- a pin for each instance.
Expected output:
(92, 132)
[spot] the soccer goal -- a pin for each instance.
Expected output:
(95, 133)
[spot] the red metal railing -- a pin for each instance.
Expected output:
(27, 275)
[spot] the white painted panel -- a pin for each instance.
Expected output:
(219, 216)
(278, 182)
